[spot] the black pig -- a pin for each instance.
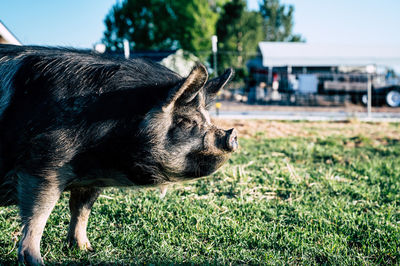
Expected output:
(80, 121)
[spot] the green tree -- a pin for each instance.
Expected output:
(239, 31)
(196, 24)
(278, 22)
(161, 24)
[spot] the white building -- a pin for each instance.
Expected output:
(327, 68)
(305, 54)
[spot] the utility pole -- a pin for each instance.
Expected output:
(214, 41)
(126, 49)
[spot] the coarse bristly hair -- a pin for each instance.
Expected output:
(79, 121)
(94, 111)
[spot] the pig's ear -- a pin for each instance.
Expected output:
(188, 90)
(213, 86)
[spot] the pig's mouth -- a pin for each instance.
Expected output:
(205, 163)
(215, 149)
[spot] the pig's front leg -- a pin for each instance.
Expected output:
(36, 199)
(80, 204)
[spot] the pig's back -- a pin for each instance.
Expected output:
(39, 74)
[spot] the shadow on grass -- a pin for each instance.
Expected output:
(8, 261)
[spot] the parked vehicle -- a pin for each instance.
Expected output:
(351, 83)
(356, 85)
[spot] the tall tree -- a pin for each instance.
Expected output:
(278, 22)
(239, 32)
(160, 24)
(196, 24)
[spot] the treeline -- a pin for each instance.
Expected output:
(189, 25)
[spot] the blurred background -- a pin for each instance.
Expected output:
(307, 59)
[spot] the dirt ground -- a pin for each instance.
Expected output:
(276, 129)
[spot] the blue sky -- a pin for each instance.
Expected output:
(346, 21)
(80, 23)
(77, 23)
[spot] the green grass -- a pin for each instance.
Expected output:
(297, 200)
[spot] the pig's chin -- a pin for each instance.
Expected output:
(204, 165)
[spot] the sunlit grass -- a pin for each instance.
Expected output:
(306, 199)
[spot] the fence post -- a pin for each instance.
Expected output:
(369, 96)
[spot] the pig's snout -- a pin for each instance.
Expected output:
(231, 143)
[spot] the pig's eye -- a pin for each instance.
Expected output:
(186, 123)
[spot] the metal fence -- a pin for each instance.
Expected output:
(343, 95)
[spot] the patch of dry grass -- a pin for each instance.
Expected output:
(281, 129)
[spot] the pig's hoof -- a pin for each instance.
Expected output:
(29, 257)
(86, 247)
(82, 245)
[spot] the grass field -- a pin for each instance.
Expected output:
(296, 192)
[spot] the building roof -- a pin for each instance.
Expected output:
(6, 36)
(304, 54)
